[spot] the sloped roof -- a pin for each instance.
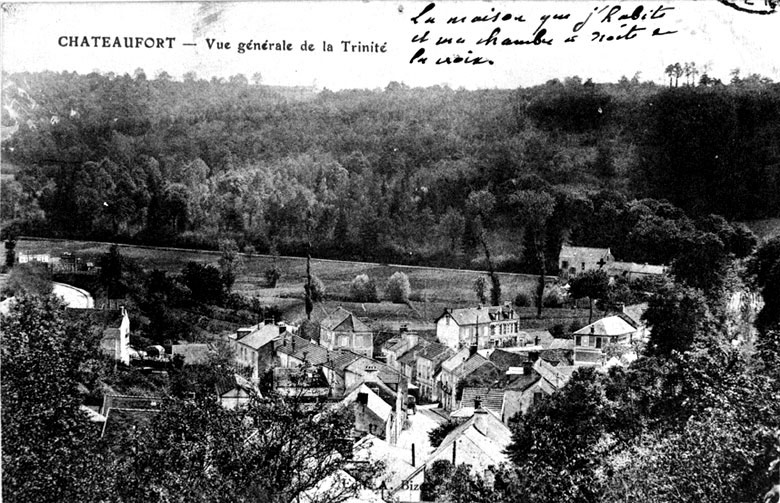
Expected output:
(483, 314)
(262, 335)
(396, 460)
(341, 359)
(385, 373)
(456, 360)
(558, 356)
(302, 349)
(504, 359)
(342, 320)
(545, 337)
(491, 441)
(491, 398)
(584, 253)
(435, 351)
(561, 344)
(472, 364)
(609, 326)
(375, 403)
(233, 382)
(635, 313)
(408, 358)
(519, 382)
(628, 268)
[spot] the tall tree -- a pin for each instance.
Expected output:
(481, 205)
(50, 450)
(533, 210)
(593, 284)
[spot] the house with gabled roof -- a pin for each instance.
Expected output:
(236, 391)
(573, 260)
(254, 347)
(397, 346)
(590, 340)
(343, 330)
(293, 351)
(482, 326)
(373, 410)
(335, 371)
(454, 370)
(480, 442)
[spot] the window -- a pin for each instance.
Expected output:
(537, 397)
(598, 342)
(564, 264)
(344, 341)
(583, 266)
(578, 340)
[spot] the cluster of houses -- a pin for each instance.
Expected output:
(481, 368)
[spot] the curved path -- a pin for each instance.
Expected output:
(72, 296)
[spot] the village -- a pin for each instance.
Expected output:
(469, 377)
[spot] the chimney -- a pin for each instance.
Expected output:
(528, 365)
(592, 330)
(293, 345)
(477, 403)
(472, 350)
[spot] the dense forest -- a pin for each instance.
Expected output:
(434, 175)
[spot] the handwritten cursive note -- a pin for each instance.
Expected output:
(445, 36)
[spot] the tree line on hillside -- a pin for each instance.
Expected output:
(397, 175)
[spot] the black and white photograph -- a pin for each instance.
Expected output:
(390, 251)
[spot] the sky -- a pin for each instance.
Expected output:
(37, 36)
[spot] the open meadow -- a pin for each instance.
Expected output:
(433, 289)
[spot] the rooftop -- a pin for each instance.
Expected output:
(262, 335)
(584, 253)
(609, 326)
(482, 314)
(342, 320)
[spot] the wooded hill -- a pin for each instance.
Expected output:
(402, 175)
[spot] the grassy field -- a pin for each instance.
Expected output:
(433, 289)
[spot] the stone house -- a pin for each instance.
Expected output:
(573, 260)
(343, 330)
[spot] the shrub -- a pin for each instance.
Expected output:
(523, 299)
(272, 276)
(398, 288)
(363, 289)
(317, 289)
(558, 330)
(553, 297)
